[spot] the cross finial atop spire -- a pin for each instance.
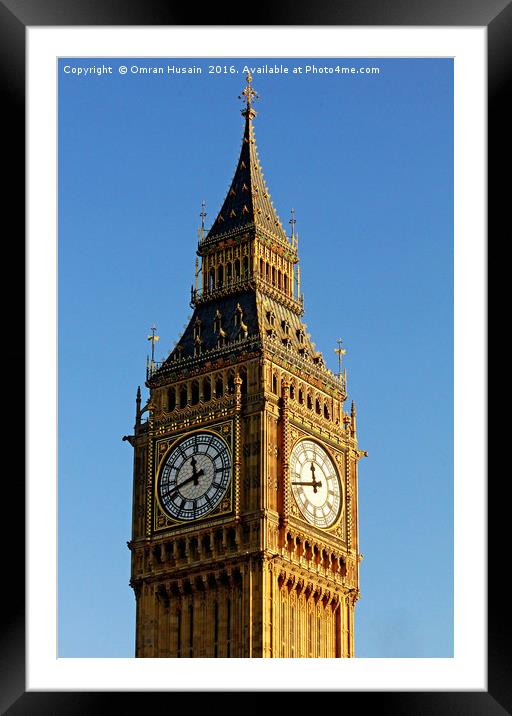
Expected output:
(295, 237)
(248, 94)
(153, 337)
(341, 352)
(202, 215)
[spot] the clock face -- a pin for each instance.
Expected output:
(195, 476)
(315, 484)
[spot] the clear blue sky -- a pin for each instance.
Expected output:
(366, 161)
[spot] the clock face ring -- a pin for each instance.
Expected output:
(315, 484)
(195, 476)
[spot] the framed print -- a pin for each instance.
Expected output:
(379, 180)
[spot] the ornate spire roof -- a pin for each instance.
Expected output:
(247, 204)
(250, 300)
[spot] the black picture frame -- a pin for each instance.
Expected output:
(15, 17)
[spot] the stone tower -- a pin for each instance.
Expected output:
(245, 513)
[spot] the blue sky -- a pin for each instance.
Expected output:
(366, 161)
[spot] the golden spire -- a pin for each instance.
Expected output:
(153, 337)
(341, 352)
(293, 222)
(249, 95)
(202, 215)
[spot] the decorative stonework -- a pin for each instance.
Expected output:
(251, 577)
(149, 479)
(349, 510)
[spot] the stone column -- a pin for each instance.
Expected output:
(237, 444)
(285, 451)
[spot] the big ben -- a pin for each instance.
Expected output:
(245, 512)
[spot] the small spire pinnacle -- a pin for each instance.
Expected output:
(341, 352)
(293, 222)
(153, 338)
(137, 409)
(203, 214)
(248, 94)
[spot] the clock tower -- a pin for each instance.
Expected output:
(245, 514)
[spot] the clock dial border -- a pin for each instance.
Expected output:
(164, 520)
(339, 474)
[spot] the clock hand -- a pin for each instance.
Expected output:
(193, 478)
(185, 482)
(315, 484)
(195, 474)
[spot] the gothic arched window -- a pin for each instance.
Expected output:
(243, 376)
(197, 328)
(238, 314)
(207, 389)
(217, 322)
(171, 399)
